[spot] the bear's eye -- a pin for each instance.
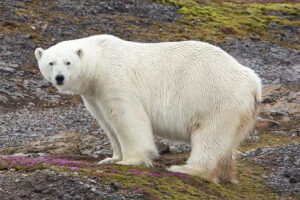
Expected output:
(68, 63)
(50, 63)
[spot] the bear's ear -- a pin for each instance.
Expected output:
(79, 52)
(38, 53)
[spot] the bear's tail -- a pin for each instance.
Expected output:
(257, 95)
(249, 117)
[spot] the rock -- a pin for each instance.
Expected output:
(114, 186)
(264, 177)
(296, 134)
(62, 143)
(268, 100)
(277, 113)
(3, 99)
(71, 143)
(265, 115)
(41, 94)
(286, 119)
(277, 132)
(292, 96)
(254, 38)
(266, 123)
(163, 147)
(254, 138)
(5, 68)
(293, 180)
(297, 116)
(167, 147)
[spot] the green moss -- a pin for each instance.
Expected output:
(22, 168)
(170, 187)
(163, 186)
(270, 140)
(246, 19)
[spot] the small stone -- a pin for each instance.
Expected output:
(37, 190)
(277, 132)
(254, 138)
(264, 177)
(230, 38)
(265, 115)
(266, 123)
(286, 158)
(296, 134)
(7, 69)
(254, 38)
(292, 96)
(293, 180)
(3, 99)
(114, 186)
(297, 116)
(286, 119)
(268, 100)
(274, 113)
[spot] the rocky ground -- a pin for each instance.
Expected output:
(35, 120)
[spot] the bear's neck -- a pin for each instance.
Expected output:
(88, 82)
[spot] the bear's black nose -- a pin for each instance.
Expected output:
(59, 79)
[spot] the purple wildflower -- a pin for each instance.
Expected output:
(135, 171)
(73, 168)
(179, 175)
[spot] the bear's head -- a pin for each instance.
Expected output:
(61, 66)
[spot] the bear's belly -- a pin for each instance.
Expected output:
(170, 135)
(170, 125)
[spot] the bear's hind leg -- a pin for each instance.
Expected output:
(211, 156)
(225, 170)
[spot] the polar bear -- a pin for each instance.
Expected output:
(186, 91)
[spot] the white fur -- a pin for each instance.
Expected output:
(183, 91)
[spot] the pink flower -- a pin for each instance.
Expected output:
(73, 168)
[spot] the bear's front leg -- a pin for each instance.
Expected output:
(115, 145)
(93, 107)
(135, 135)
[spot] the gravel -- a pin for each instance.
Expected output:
(52, 185)
(31, 124)
(137, 8)
(284, 164)
(275, 64)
